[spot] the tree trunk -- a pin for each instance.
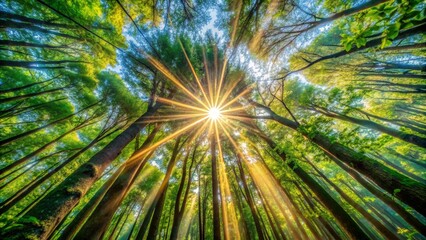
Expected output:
(100, 218)
(60, 201)
(250, 201)
(9, 99)
(410, 138)
(376, 223)
(215, 190)
(411, 192)
(158, 203)
(344, 219)
(19, 136)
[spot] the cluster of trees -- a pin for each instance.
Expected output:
(101, 136)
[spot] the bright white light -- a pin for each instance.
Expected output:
(214, 113)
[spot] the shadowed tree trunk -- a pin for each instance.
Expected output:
(410, 138)
(215, 190)
(60, 201)
(411, 192)
(344, 219)
(98, 221)
(376, 223)
(179, 209)
(153, 215)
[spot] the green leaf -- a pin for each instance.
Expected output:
(348, 46)
(385, 42)
(393, 30)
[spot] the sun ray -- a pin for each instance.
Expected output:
(166, 139)
(228, 209)
(229, 91)
(163, 69)
(195, 74)
(208, 77)
(221, 77)
(168, 118)
(247, 90)
(172, 102)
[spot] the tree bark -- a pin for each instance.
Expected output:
(98, 221)
(60, 201)
(215, 190)
(411, 192)
(409, 138)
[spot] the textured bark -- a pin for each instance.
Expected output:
(411, 192)
(78, 221)
(27, 133)
(100, 218)
(410, 138)
(250, 201)
(344, 219)
(154, 213)
(60, 201)
(376, 223)
(215, 190)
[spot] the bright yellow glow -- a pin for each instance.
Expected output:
(214, 113)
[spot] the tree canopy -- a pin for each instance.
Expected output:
(192, 119)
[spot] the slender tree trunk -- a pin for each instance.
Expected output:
(154, 213)
(41, 149)
(376, 223)
(19, 136)
(30, 27)
(344, 219)
(23, 192)
(60, 201)
(412, 192)
(14, 111)
(9, 99)
(215, 190)
(250, 201)
(15, 89)
(410, 138)
(372, 43)
(97, 223)
(323, 221)
(179, 210)
(153, 228)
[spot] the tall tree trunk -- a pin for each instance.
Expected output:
(157, 205)
(179, 210)
(153, 228)
(100, 218)
(376, 223)
(410, 138)
(60, 201)
(215, 190)
(344, 219)
(250, 201)
(411, 192)
(27, 133)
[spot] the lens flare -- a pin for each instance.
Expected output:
(214, 113)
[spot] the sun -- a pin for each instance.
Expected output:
(214, 113)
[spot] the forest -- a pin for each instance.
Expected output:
(203, 119)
